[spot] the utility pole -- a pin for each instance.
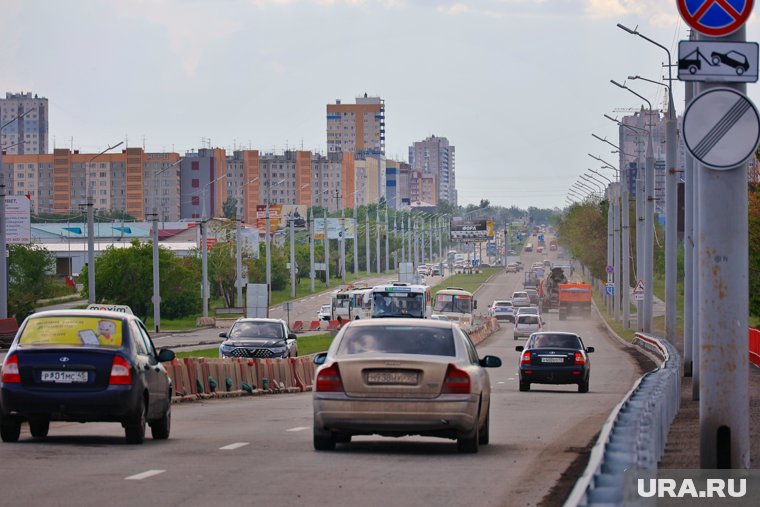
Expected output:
(342, 238)
(367, 252)
(377, 227)
(156, 281)
(403, 241)
(239, 254)
(204, 256)
(310, 218)
(387, 242)
(356, 239)
(292, 229)
(430, 236)
(3, 248)
(327, 254)
(267, 246)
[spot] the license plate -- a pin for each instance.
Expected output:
(64, 377)
(552, 359)
(392, 377)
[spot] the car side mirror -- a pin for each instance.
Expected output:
(519, 348)
(589, 349)
(490, 362)
(165, 355)
(320, 358)
(223, 334)
(292, 336)
(475, 305)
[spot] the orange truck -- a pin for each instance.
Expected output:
(574, 299)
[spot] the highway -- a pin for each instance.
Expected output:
(258, 451)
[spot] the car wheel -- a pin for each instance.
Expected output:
(468, 443)
(160, 428)
(693, 69)
(323, 441)
(524, 386)
(10, 429)
(739, 70)
(485, 430)
(342, 438)
(134, 427)
(583, 386)
(715, 60)
(39, 427)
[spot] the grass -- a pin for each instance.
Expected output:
(306, 345)
(470, 283)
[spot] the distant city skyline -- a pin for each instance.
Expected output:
(518, 86)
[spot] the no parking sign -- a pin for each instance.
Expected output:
(716, 18)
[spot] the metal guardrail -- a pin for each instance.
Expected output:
(634, 435)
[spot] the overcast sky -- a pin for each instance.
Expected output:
(518, 86)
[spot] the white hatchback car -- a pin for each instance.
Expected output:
(527, 324)
(520, 299)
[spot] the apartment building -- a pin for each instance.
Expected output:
(357, 128)
(25, 120)
(203, 183)
(435, 157)
(423, 188)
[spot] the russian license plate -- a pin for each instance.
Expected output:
(552, 359)
(64, 377)
(392, 377)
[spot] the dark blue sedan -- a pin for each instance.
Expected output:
(83, 366)
(554, 358)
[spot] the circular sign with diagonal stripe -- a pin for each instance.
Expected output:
(716, 18)
(721, 128)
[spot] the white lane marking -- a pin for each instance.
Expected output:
(501, 382)
(144, 475)
(298, 428)
(510, 379)
(232, 447)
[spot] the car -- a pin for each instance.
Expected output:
(502, 309)
(325, 312)
(396, 377)
(733, 59)
(85, 366)
(439, 317)
(527, 310)
(436, 271)
(520, 298)
(547, 264)
(533, 295)
(262, 338)
(512, 267)
(554, 358)
(527, 324)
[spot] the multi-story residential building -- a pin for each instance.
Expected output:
(161, 184)
(403, 185)
(203, 183)
(434, 156)
(65, 181)
(634, 138)
(391, 184)
(357, 128)
(24, 133)
(422, 189)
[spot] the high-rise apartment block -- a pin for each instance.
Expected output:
(357, 128)
(434, 158)
(25, 120)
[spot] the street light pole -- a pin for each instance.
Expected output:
(387, 242)
(377, 236)
(156, 280)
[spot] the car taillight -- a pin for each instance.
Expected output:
(328, 380)
(579, 359)
(10, 370)
(525, 359)
(121, 373)
(456, 382)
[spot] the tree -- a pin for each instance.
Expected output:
(28, 279)
(230, 208)
(222, 269)
(125, 276)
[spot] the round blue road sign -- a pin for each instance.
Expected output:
(716, 18)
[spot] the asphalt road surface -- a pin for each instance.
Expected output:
(258, 450)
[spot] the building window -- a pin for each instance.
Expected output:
(196, 200)
(196, 183)
(196, 215)
(196, 165)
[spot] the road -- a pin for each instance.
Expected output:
(257, 451)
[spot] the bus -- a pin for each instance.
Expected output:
(455, 303)
(348, 302)
(401, 300)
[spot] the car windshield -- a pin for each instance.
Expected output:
(326, 309)
(503, 303)
(556, 341)
(453, 303)
(398, 304)
(72, 331)
(244, 330)
(396, 339)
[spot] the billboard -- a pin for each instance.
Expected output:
(18, 223)
(469, 230)
(275, 215)
(333, 228)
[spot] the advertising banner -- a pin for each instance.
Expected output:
(469, 230)
(294, 212)
(18, 222)
(275, 216)
(334, 228)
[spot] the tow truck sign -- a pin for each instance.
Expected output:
(723, 62)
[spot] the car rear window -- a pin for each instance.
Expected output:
(527, 319)
(503, 303)
(432, 341)
(556, 341)
(243, 330)
(72, 331)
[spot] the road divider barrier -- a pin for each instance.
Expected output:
(754, 346)
(635, 433)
